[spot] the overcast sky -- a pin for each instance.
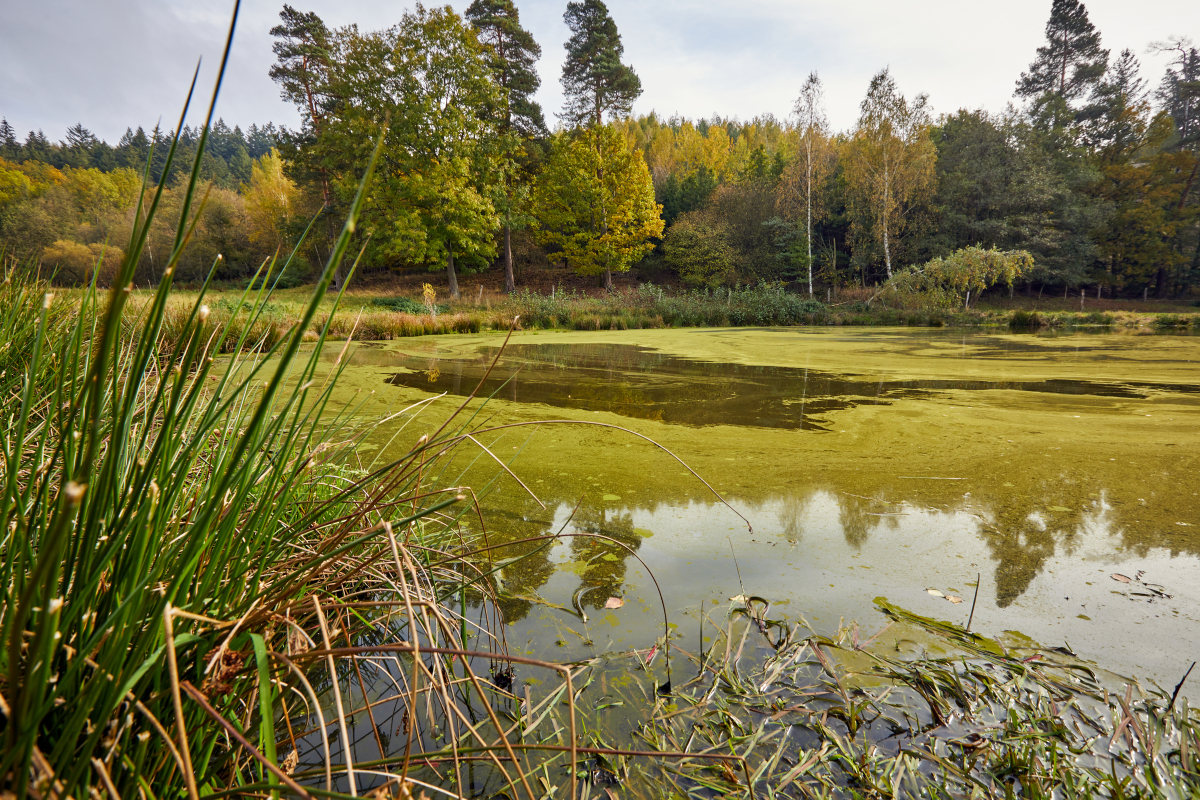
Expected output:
(116, 63)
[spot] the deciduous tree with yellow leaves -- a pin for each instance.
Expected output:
(595, 200)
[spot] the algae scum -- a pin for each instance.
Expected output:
(869, 463)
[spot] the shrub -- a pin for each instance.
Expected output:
(73, 262)
(406, 305)
(699, 251)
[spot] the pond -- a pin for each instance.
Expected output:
(1059, 469)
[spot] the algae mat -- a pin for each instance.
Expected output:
(1061, 468)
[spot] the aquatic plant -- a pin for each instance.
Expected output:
(818, 717)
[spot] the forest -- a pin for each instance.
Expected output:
(1092, 170)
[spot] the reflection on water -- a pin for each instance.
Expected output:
(646, 384)
(827, 554)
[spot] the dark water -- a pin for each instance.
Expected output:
(646, 384)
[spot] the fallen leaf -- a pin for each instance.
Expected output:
(614, 602)
(935, 593)
(954, 599)
(741, 598)
(1116, 576)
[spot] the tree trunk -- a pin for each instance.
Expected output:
(1160, 285)
(608, 284)
(808, 232)
(331, 237)
(450, 276)
(887, 252)
(510, 285)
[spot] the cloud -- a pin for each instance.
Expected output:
(116, 63)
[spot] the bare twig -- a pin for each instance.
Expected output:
(978, 576)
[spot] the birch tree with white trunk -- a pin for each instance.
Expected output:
(891, 162)
(815, 159)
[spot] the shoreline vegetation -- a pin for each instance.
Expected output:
(382, 315)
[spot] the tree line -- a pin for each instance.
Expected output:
(1089, 170)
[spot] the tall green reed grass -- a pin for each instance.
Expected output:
(163, 511)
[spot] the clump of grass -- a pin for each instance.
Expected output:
(1174, 321)
(406, 305)
(1025, 320)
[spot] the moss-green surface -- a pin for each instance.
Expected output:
(1046, 493)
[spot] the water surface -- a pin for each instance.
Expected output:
(869, 462)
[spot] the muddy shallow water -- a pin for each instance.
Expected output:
(868, 463)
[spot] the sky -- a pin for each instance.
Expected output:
(111, 64)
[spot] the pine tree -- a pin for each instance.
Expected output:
(10, 148)
(302, 71)
(79, 136)
(133, 149)
(38, 148)
(1071, 62)
(1118, 113)
(1179, 92)
(260, 141)
(593, 78)
(512, 55)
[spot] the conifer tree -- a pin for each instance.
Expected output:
(594, 80)
(38, 148)
(1071, 62)
(1179, 91)
(9, 146)
(512, 53)
(302, 72)
(1118, 112)
(133, 149)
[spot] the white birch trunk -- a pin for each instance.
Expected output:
(808, 186)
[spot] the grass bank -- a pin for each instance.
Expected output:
(372, 316)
